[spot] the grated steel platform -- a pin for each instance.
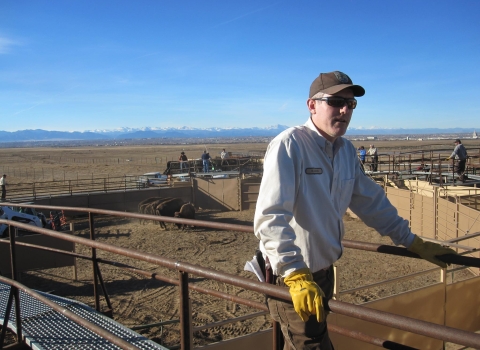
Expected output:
(43, 328)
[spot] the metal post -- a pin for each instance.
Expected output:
(240, 194)
(443, 279)
(14, 290)
(6, 317)
(453, 170)
(278, 341)
(435, 212)
(431, 171)
(457, 211)
(13, 257)
(75, 267)
(440, 172)
(94, 263)
(185, 315)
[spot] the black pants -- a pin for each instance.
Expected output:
(4, 192)
(301, 335)
(374, 163)
(460, 166)
(460, 169)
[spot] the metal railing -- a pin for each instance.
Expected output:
(240, 164)
(184, 269)
(47, 189)
(429, 161)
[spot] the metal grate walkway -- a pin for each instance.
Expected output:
(44, 328)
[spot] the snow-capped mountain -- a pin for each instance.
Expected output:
(189, 132)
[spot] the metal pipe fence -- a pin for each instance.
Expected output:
(410, 161)
(46, 189)
(184, 269)
(26, 190)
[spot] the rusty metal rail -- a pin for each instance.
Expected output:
(386, 249)
(400, 322)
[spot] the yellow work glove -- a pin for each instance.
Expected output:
(447, 159)
(428, 251)
(306, 294)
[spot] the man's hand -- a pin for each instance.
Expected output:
(306, 294)
(447, 159)
(428, 251)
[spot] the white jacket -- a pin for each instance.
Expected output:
(305, 193)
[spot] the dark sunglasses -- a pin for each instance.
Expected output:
(339, 102)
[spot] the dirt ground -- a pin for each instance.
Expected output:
(138, 301)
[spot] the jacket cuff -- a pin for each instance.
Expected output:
(409, 241)
(284, 271)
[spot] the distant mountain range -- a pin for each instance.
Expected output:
(186, 132)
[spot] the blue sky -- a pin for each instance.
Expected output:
(83, 65)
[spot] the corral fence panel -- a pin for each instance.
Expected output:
(121, 201)
(218, 194)
(250, 188)
(444, 219)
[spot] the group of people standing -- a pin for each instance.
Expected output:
(372, 152)
(459, 154)
(183, 160)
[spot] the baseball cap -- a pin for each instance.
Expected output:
(333, 82)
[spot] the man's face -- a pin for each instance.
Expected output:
(331, 122)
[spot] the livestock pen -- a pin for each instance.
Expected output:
(347, 322)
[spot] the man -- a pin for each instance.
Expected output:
(311, 176)
(205, 160)
(223, 155)
(362, 153)
(460, 155)
(373, 153)
(183, 161)
(3, 183)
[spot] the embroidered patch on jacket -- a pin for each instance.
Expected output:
(313, 171)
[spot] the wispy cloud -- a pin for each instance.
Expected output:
(6, 44)
(245, 15)
(50, 101)
(26, 109)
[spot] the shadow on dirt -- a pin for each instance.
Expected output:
(82, 223)
(84, 288)
(105, 234)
